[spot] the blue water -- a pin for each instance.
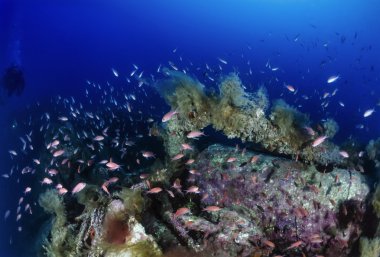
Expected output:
(61, 44)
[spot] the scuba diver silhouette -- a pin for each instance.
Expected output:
(13, 80)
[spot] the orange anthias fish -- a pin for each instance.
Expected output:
(269, 243)
(290, 88)
(113, 180)
(195, 134)
(47, 181)
(181, 211)
(148, 154)
(255, 158)
(212, 208)
(112, 166)
(62, 191)
(55, 143)
(105, 187)
(190, 161)
(177, 157)
(79, 187)
(154, 190)
(295, 245)
(98, 138)
(193, 189)
(319, 141)
(186, 147)
(231, 159)
(58, 153)
(169, 116)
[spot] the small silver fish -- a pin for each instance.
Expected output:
(332, 79)
(368, 113)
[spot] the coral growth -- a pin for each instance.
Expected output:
(331, 127)
(260, 98)
(186, 95)
(61, 241)
(239, 114)
(232, 93)
(52, 203)
(290, 123)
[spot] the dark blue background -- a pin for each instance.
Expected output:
(63, 43)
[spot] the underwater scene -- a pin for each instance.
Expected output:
(198, 128)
